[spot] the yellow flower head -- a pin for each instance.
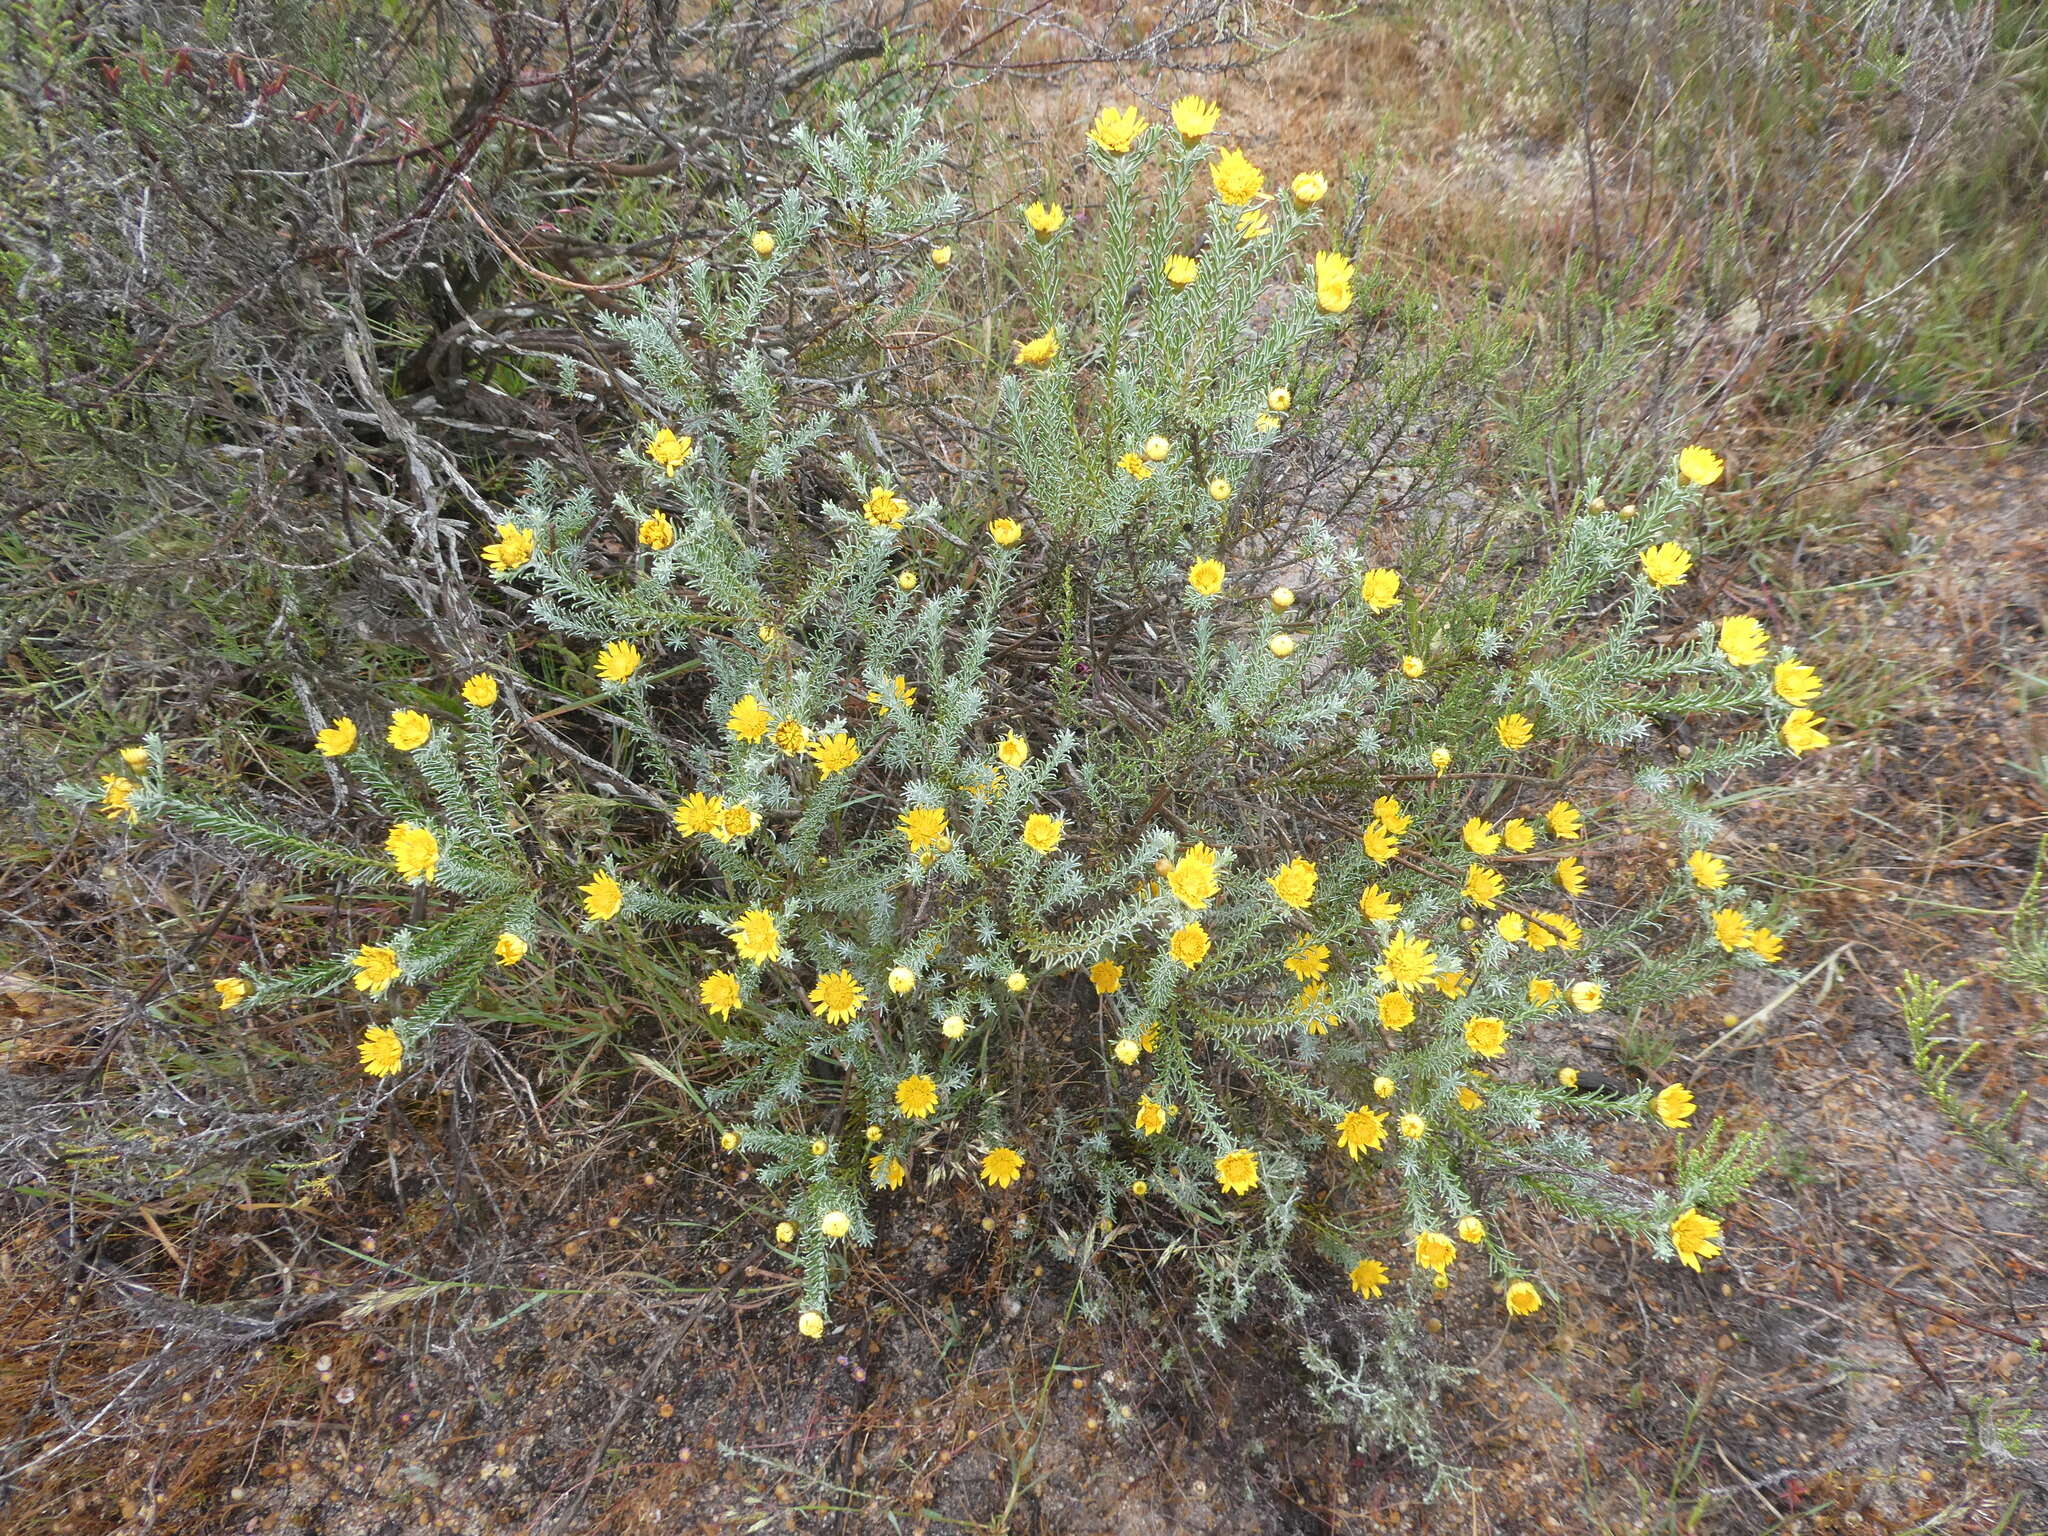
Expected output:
(1453, 984)
(1106, 976)
(941, 255)
(1411, 666)
(135, 757)
(1308, 959)
(415, 853)
(1471, 1230)
(1483, 886)
(513, 549)
(1363, 1130)
(382, 1053)
(890, 1174)
(1195, 119)
(1435, 1251)
(791, 738)
(1333, 282)
(1554, 928)
(837, 997)
(1667, 565)
(835, 1224)
(1699, 466)
(1708, 872)
(884, 508)
(748, 721)
(116, 798)
(1151, 1117)
(917, 1096)
(481, 691)
(1002, 1167)
(700, 812)
(1486, 1037)
(670, 451)
(811, 1324)
(1014, 750)
(755, 937)
(1045, 219)
(1414, 1127)
(719, 993)
(1381, 589)
(1518, 834)
(1376, 906)
(1134, 466)
(1381, 845)
(1396, 1010)
(1219, 489)
(618, 661)
(922, 827)
(1743, 640)
(602, 897)
(1038, 352)
(1731, 929)
(656, 531)
(1767, 946)
(1480, 837)
(1383, 1087)
(1515, 731)
(1181, 270)
(1695, 1237)
(736, 822)
(231, 990)
(339, 739)
(1802, 731)
(1005, 531)
(834, 753)
(1116, 130)
(1295, 883)
(1236, 179)
(1190, 945)
(1795, 682)
(1042, 833)
(376, 968)
(763, 243)
(409, 730)
(1386, 810)
(1369, 1278)
(1238, 1172)
(1408, 962)
(1193, 877)
(1543, 992)
(1523, 1299)
(1308, 189)
(1675, 1106)
(1565, 821)
(1571, 875)
(1256, 224)
(1206, 577)
(510, 949)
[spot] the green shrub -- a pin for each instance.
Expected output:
(1022, 834)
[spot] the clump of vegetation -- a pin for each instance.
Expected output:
(1083, 819)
